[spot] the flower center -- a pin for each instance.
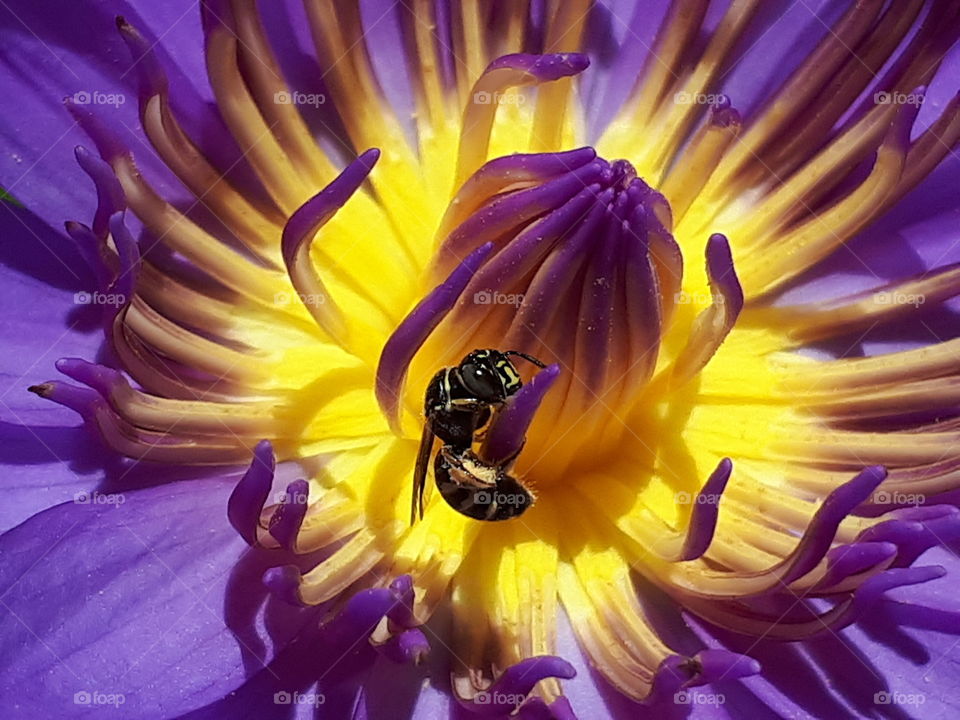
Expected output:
(569, 258)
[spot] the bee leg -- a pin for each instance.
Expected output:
(484, 419)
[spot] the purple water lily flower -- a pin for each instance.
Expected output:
(704, 466)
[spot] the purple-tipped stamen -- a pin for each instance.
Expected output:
(713, 325)
(516, 681)
(286, 520)
(508, 430)
(703, 519)
(401, 614)
(415, 329)
(82, 401)
(503, 216)
(360, 617)
(249, 496)
(110, 196)
(850, 561)
(106, 139)
(409, 647)
(300, 231)
(505, 72)
(128, 252)
(817, 539)
(915, 530)
(711, 665)
(150, 76)
(544, 68)
(283, 582)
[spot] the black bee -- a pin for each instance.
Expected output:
(477, 489)
(458, 403)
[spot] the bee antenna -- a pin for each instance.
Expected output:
(528, 358)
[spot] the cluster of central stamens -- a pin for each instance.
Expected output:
(569, 258)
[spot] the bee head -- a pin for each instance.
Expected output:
(489, 375)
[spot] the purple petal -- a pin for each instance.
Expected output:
(47, 56)
(139, 596)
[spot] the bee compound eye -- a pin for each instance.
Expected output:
(481, 382)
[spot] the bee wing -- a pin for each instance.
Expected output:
(420, 473)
